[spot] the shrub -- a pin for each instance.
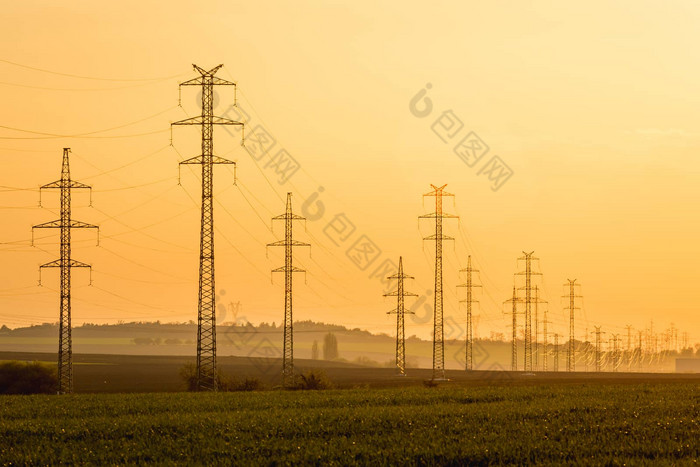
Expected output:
(430, 383)
(248, 384)
(28, 378)
(188, 373)
(314, 380)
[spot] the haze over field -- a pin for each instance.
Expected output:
(593, 107)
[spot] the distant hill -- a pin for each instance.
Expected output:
(264, 340)
(244, 339)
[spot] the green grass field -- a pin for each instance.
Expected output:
(583, 424)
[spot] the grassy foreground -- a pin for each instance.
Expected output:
(598, 424)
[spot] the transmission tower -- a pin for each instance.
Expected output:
(288, 269)
(438, 327)
(528, 305)
(629, 347)
(571, 354)
(514, 346)
(400, 311)
(65, 263)
(469, 285)
(598, 351)
(536, 342)
(556, 352)
(615, 351)
(640, 353)
(206, 311)
(545, 341)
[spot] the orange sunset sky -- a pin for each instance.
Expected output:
(593, 106)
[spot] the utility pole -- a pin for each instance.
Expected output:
(469, 358)
(528, 306)
(556, 352)
(514, 347)
(400, 311)
(206, 309)
(288, 269)
(65, 263)
(571, 355)
(598, 350)
(438, 326)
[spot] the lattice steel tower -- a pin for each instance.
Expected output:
(65, 263)
(615, 351)
(598, 348)
(514, 344)
(469, 285)
(556, 352)
(206, 311)
(536, 343)
(400, 312)
(288, 269)
(545, 341)
(438, 326)
(571, 353)
(528, 273)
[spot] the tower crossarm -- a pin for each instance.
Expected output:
(438, 237)
(72, 263)
(58, 184)
(288, 243)
(214, 160)
(396, 293)
(434, 215)
(215, 120)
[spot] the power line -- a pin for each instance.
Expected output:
(70, 75)
(90, 134)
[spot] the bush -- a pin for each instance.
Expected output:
(28, 378)
(430, 383)
(188, 373)
(314, 380)
(248, 384)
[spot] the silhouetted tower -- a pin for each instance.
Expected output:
(639, 351)
(65, 263)
(629, 347)
(400, 311)
(438, 327)
(528, 273)
(514, 345)
(536, 343)
(598, 349)
(469, 285)
(545, 341)
(556, 352)
(615, 351)
(571, 354)
(206, 312)
(288, 269)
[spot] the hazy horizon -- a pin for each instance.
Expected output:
(592, 106)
